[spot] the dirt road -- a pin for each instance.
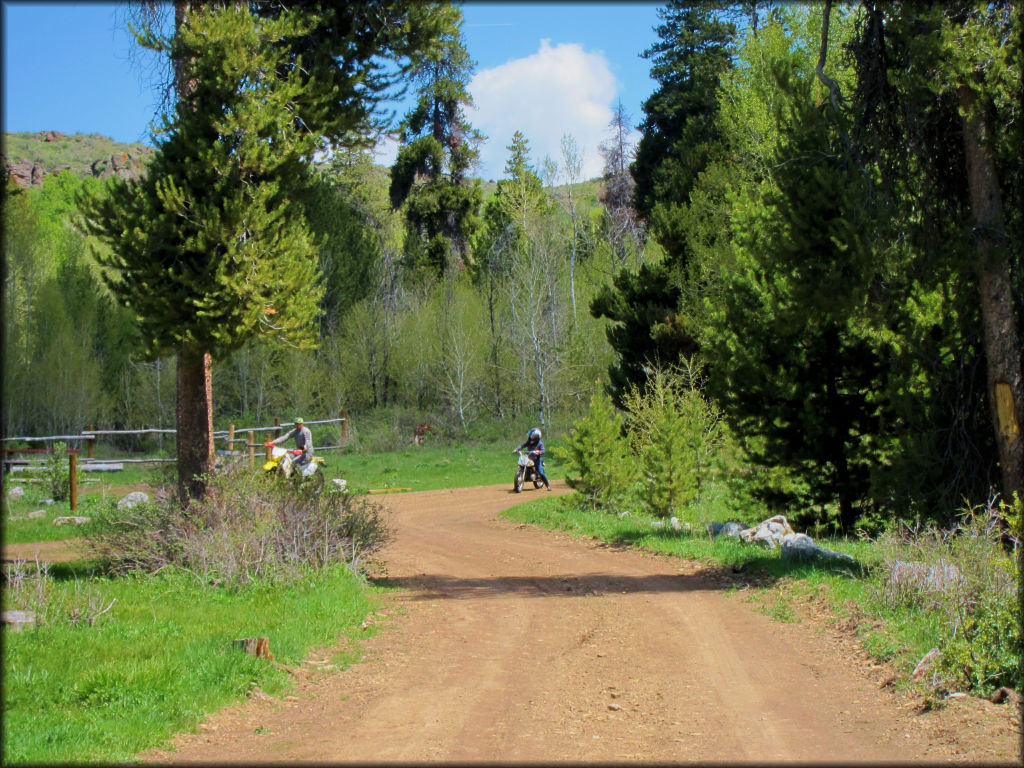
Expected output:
(508, 643)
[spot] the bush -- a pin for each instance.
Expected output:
(598, 464)
(246, 528)
(58, 472)
(677, 436)
(967, 578)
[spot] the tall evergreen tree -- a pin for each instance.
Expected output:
(939, 105)
(210, 248)
(439, 147)
(679, 136)
(679, 128)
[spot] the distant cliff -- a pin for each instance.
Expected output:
(28, 157)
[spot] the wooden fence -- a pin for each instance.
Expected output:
(89, 437)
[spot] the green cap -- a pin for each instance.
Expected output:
(299, 420)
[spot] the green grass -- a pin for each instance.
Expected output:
(159, 660)
(429, 468)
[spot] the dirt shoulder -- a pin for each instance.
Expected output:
(508, 643)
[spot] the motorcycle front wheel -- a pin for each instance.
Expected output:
(519, 479)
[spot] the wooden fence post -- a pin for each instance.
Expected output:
(231, 438)
(277, 432)
(252, 450)
(73, 466)
(344, 424)
(91, 440)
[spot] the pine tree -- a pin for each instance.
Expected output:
(679, 139)
(439, 148)
(210, 248)
(598, 462)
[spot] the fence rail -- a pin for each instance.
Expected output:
(91, 435)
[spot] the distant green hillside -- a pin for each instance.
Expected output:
(79, 153)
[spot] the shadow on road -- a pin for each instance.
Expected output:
(439, 587)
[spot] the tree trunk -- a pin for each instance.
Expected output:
(1001, 339)
(194, 420)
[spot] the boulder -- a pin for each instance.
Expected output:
(37, 513)
(799, 546)
(70, 520)
(769, 533)
(16, 493)
(132, 499)
(725, 529)
(18, 619)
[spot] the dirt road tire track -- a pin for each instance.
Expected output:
(508, 643)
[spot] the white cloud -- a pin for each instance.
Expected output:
(556, 91)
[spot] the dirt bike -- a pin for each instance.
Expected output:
(526, 472)
(282, 460)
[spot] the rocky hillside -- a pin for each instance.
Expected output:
(27, 157)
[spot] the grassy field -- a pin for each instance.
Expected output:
(84, 687)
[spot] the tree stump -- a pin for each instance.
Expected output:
(255, 646)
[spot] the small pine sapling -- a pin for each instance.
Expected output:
(597, 457)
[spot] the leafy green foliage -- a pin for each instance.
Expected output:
(677, 436)
(58, 472)
(596, 456)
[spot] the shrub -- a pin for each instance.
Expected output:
(58, 472)
(966, 576)
(676, 435)
(597, 459)
(246, 528)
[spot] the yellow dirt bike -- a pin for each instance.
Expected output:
(282, 462)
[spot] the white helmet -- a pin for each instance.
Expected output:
(533, 433)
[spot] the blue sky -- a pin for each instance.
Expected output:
(547, 69)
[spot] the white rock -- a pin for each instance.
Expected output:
(16, 493)
(18, 619)
(133, 498)
(768, 533)
(37, 513)
(70, 520)
(799, 545)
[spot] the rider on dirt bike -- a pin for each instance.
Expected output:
(535, 450)
(303, 442)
